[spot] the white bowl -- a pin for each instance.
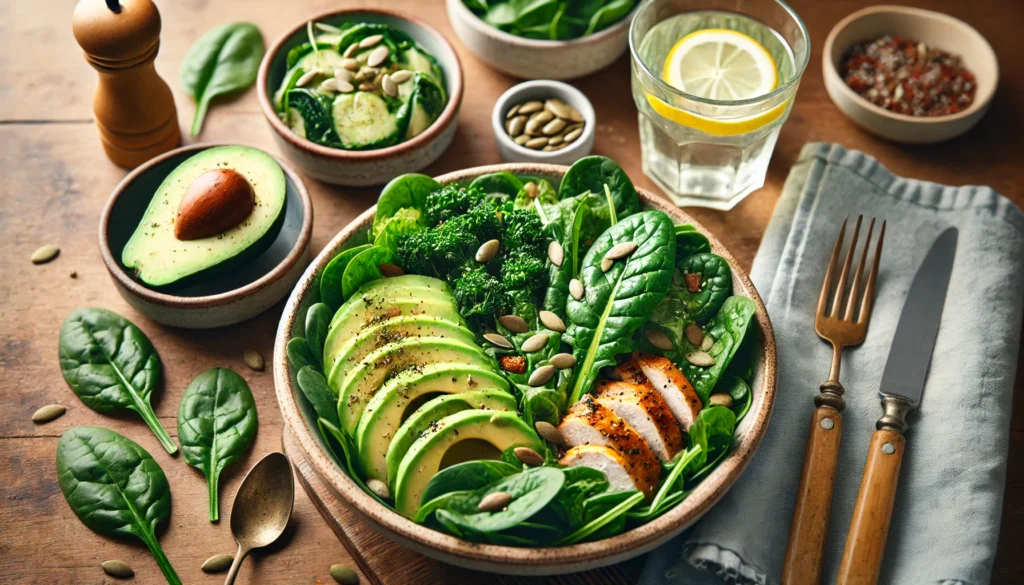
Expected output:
(541, 90)
(933, 29)
(537, 59)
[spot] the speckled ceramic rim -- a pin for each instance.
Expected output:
(503, 105)
(480, 25)
(203, 302)
(539, 560)
(448, 115)
(980, 101)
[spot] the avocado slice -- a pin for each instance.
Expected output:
(497, 431)
(379, 293)
(434, 410)
(402, 395)
(159, 259)
(351, 350)
(363, 381)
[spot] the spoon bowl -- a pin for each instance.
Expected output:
(262, 507)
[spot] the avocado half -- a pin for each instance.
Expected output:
(159, 259)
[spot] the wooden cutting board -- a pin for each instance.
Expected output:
(387, 563)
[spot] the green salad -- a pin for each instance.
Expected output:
(360, 86)
(519, 363)
(554, 20)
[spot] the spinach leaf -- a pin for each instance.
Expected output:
(315, 110)
(364, 268)
(318, 320)
(298, 353)
(469, 475)
(619, 301)
(703, 282)
(405, 191)
(115, 488)
(591, 174)
(111, 365)
(615, 513)
(663, 499)
(690, 242)
(502, 182)
(727, 328)
(404, 222)
(314, 386)
(608, 15)
(330, 280)
(216, 423)
(557, 293)
(531, 490)
(713, 431)
(551, 19)
(224, 60)
(738, 390)
(334, 437)
(581, 482)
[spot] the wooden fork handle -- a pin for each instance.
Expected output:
(865, 543)
(807, 532)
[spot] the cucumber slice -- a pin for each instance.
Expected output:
(362, 121)
(324, 60)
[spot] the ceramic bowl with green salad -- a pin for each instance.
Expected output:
(544, 39)
(355, 97)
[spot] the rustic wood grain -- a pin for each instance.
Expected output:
(56, 179)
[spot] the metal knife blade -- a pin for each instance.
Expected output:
(912, 345)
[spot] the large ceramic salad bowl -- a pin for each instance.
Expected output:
(704, 492)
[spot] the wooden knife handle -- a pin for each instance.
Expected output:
(814, 499)
(865, 543)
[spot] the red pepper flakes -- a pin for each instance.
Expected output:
(907, 77)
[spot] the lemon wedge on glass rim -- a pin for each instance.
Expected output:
(722, 65)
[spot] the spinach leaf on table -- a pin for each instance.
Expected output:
(115, 488)
(111, 365)
(216, 423)
(620, 301)
(224, 60)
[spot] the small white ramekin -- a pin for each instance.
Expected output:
(543, 89)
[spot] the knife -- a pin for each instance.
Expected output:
(902, 384)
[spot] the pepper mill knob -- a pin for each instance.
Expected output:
(134, 107)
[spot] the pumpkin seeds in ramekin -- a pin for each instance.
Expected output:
(548, 125)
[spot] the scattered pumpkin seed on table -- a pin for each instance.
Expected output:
(48, 413)
(547, 125)
(44, 254)
(119, 569)
(344, 575)
(217, 564)
(253, 359)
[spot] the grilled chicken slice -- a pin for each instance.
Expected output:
(645, 410)
(591, 423)
(671, 383)
(621, 476)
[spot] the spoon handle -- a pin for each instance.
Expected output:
(237, 564)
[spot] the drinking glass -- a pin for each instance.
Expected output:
(703, 152)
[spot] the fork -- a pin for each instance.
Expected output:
(842, 328)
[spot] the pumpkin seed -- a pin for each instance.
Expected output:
(361, 58)
(365, 86)
(378, 487)
(572, 135)
(694, 334)
(350, 64)
(306, 78)
(536, 142)
(535, 343)
(389, 86)
(342, 74)
(550, 148)
(541, 375)
(494, 501)
(700, 359)
(658, 338)
(253, 359)
(720, 399)
(557, 107)
(365, 74)
(329, 85)
(351, 50)
(555, 140)
(370, 41)
(563, 360)
(606, 264)
(217, 564)
(344, 575)
(528, 456)
(498, 340)
(119, 569)
(549, 432)
(553, 127)
(378, 56)
(552, 321)
(531, 189)
(514, 323)
(522, 139)
(47, 413)
(576, 289)
(707, 343)
(622, 250)
(327, 28)
(345, 87)
(390, 270)
(488, 250)
(512, 111)
(401, 76)
(576, 116)
(515, 126)
(556, 253)
(531, 107)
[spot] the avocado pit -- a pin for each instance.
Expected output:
(215, 202)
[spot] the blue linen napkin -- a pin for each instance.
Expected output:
(946, 519)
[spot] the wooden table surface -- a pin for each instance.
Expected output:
(55, 180)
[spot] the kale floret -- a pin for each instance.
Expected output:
(477, 295)
(523, 232)
(440, 253)
(451, 201)
(481, 221)
(521, 271)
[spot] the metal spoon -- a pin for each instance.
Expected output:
(262, 507)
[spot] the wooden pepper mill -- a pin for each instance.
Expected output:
(134, 108)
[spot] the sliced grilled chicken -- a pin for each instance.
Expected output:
(616, 468)
(591, 423)
(645, 410)
(672, 384)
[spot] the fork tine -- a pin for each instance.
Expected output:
(869, 290)
(825, 286)
(837, 303)
(851, 301)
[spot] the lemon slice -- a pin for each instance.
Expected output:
(720, 64)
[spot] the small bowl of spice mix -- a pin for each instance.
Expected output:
(909, 75)
(543, 121)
